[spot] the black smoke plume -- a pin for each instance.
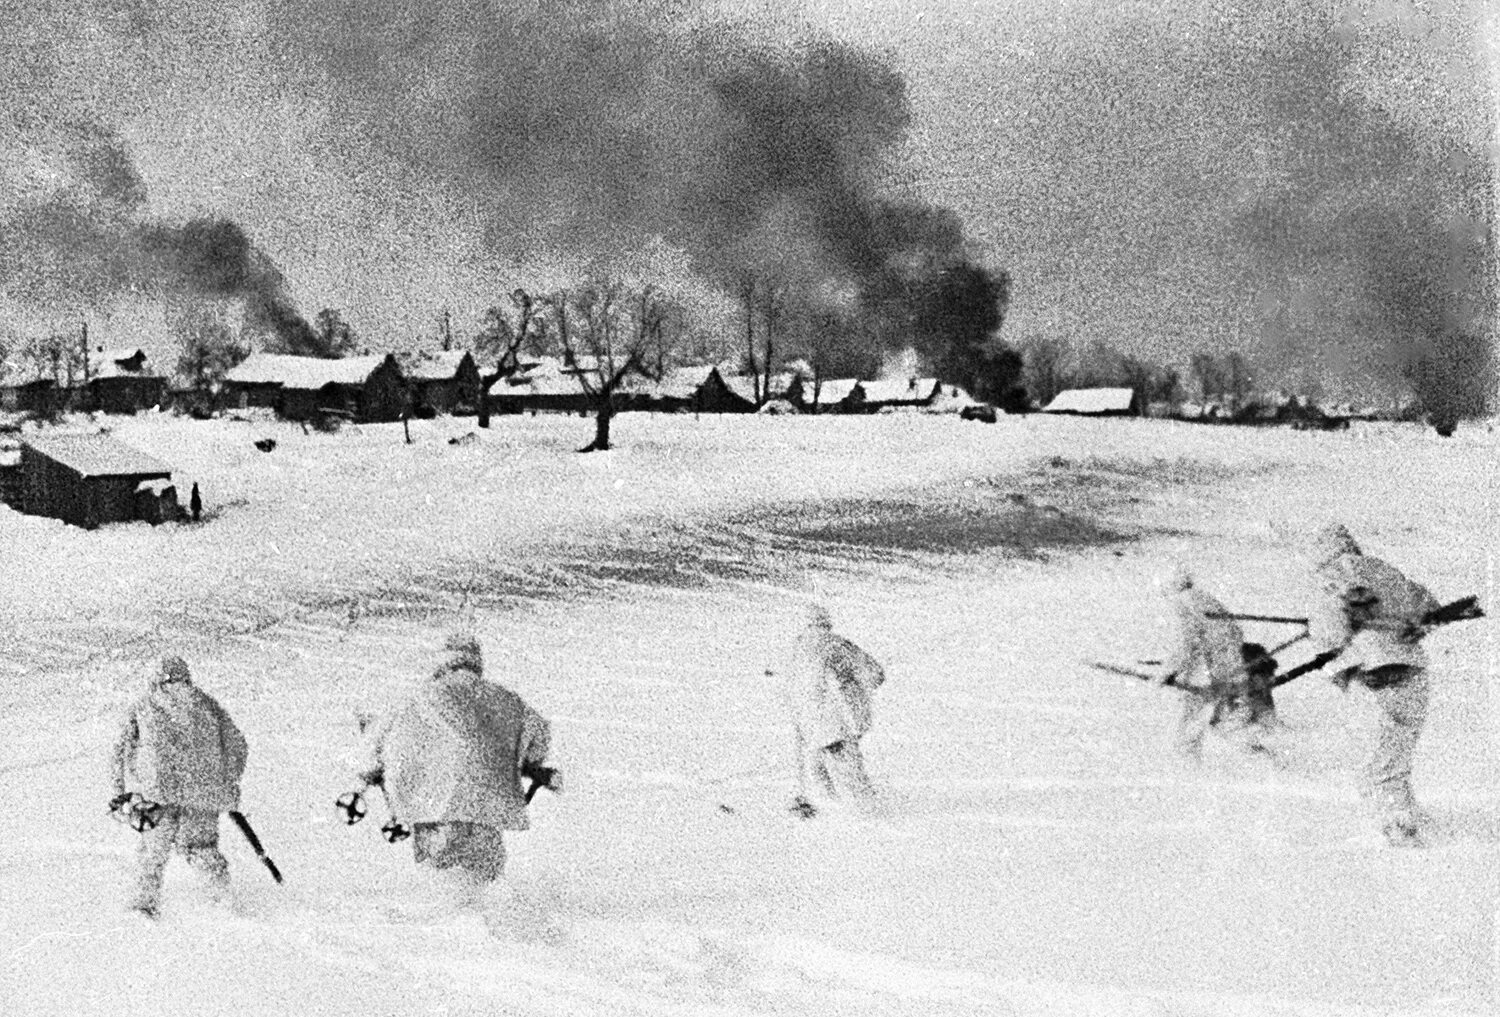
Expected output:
(572, 126)
(83, 244)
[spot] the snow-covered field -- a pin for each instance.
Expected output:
(1037, 850)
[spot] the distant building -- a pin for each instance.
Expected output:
(366, 389)
(89, 479)
(442, 382)
(24, 393)
(695, 389)
(900, 393)
(123, 381)
(540, 385)
(832, 395)
(1095, 402)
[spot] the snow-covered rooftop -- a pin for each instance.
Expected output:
(96, 455)
(1091, 400)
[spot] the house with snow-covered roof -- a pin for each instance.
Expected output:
(366, 389)
(446, 381)
(123, 380)
(900, 393)
(91, 479)
(1095, 402)
(828, 395)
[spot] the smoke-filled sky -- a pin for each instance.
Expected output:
(1309, 182)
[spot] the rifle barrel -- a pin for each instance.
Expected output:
(1279, 619)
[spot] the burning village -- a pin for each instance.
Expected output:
(597, 507)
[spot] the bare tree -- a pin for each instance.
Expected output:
(1239, 380)
(607, 333)
(1042, 370)
(1207, 375)
(335, 336)
(208, 347)
(505, 333)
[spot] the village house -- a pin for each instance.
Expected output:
(123, 381)
(443, 382)
(1096, 402)
(832, 395)
(366, 389)
(93, 479)
(695, 389)
(900, 393)
(543, 384)
(24, 392)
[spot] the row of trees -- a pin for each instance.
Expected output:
(1049, 366)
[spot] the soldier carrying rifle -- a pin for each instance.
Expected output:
(1222, 676)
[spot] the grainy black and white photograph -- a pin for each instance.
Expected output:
(823, 507)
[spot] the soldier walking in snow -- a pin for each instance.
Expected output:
(828, 683)
(451, 759)
(1368, 620)
(185, 756)
(1221, 676)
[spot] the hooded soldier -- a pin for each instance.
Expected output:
(1370, 615)
(829, 683)
(451, 759)
(1207, 661)
(182, 755)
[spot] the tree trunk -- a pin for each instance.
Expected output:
(601, 428)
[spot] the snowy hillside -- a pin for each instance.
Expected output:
(1037, 850)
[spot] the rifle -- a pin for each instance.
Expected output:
(1462, 609)
(260, 852)
(1274, 618)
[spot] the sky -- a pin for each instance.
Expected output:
(1309, 183)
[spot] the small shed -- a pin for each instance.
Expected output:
(85, 479)
(442, 382)
(1096, 402)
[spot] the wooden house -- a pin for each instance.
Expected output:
(366, 389)
(1096, 402)
(831, 395)
(900, 393)
(442, 382)
(123, 381)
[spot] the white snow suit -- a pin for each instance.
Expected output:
(450, 758)
(181, 750)
(1206, 662)
(1371, 614)
(828, 683)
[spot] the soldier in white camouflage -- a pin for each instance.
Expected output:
(829, 683)
(176, 765)
(1371, 615)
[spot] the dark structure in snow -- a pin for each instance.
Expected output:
(92, 479)
(31, 395)
(123, 381)
(368, 389)
(443, 382)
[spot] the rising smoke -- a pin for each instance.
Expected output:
(77, 240)
(583, 125)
